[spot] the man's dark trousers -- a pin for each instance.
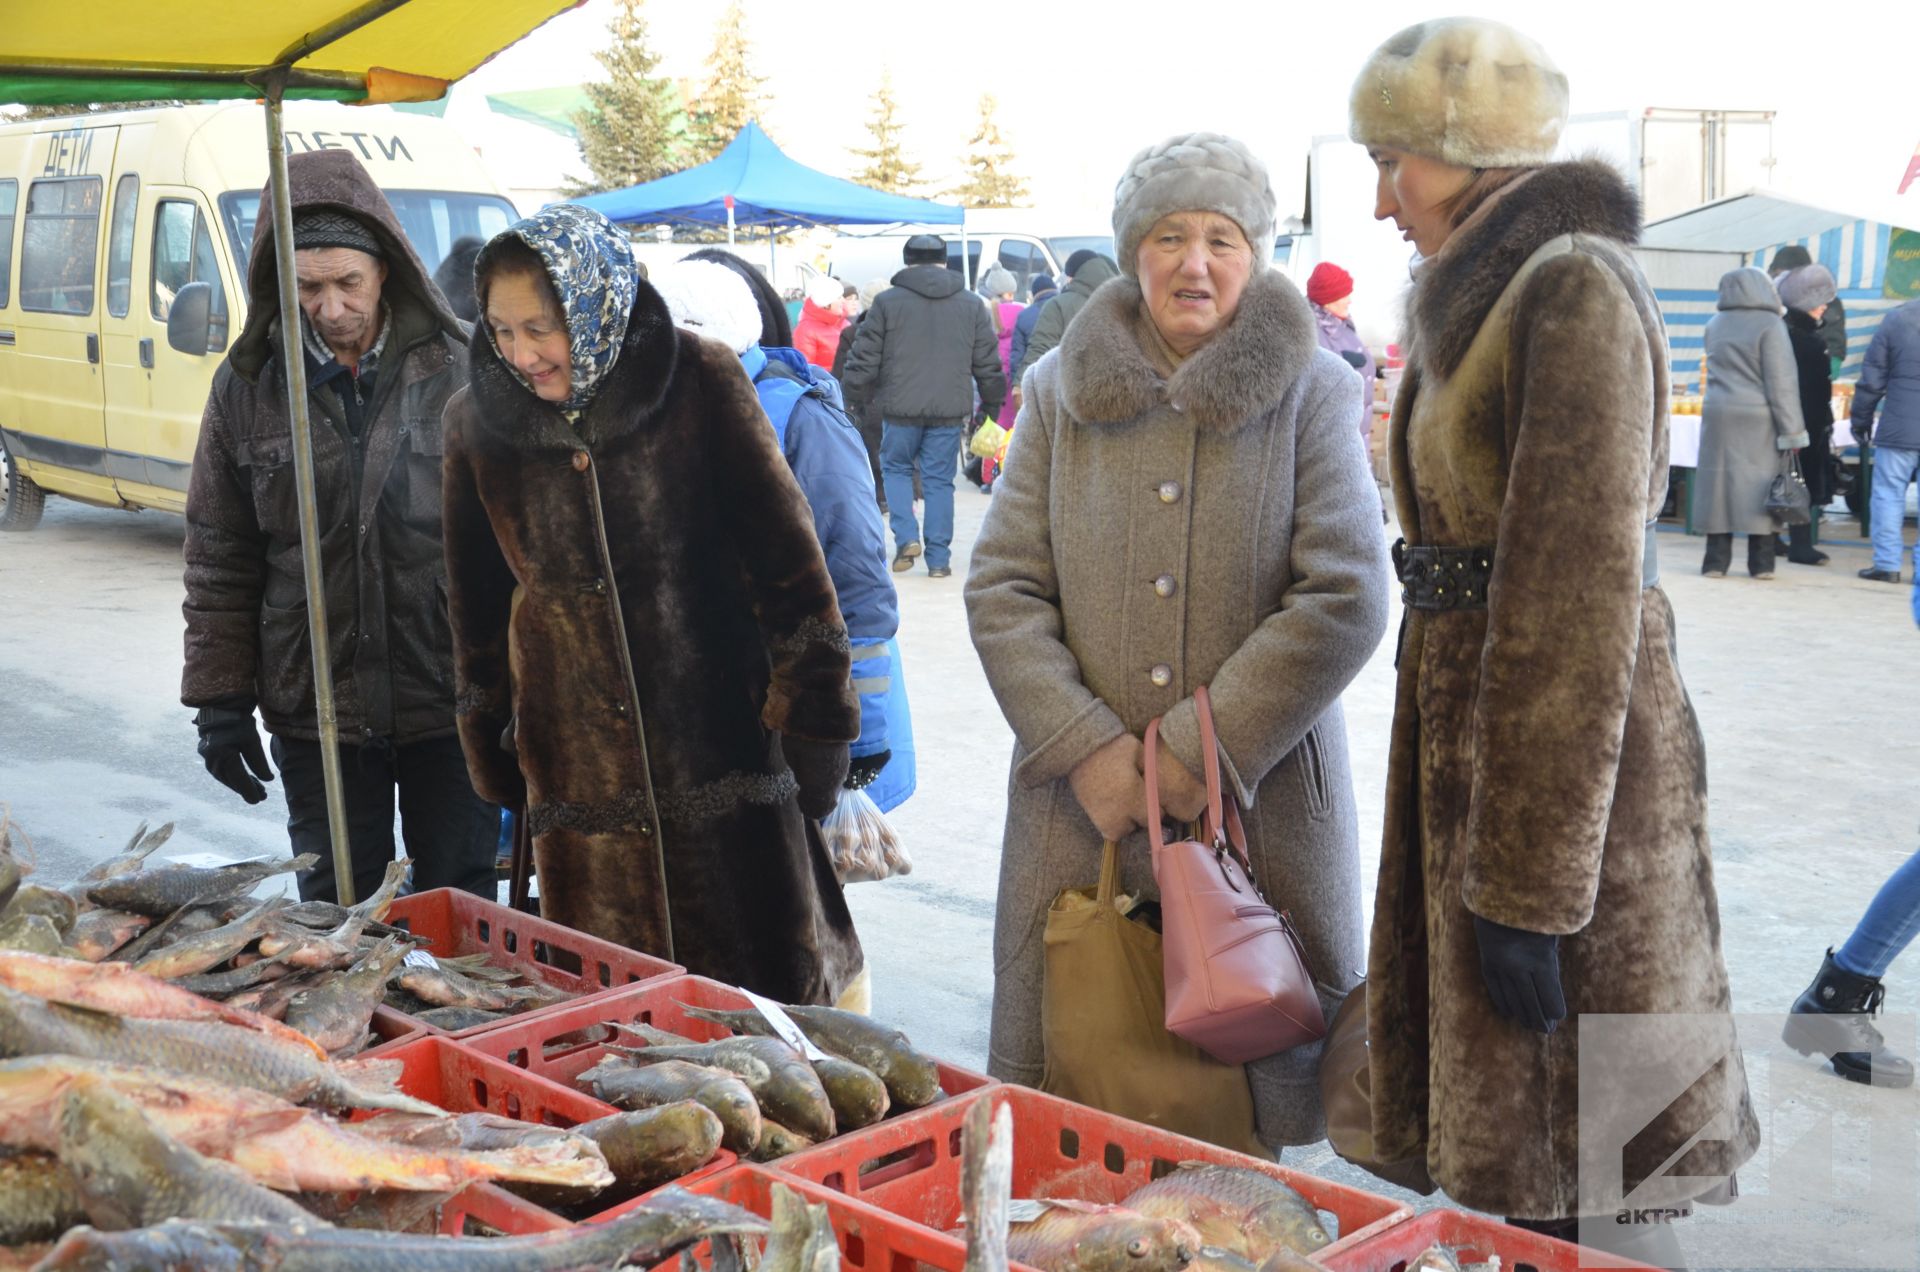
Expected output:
(451, 833)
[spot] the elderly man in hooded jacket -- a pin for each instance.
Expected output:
(383, 354)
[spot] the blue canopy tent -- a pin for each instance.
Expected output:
(754, 183)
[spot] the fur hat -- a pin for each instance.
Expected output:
(1465, 91)
(924, 249)
(1808, 288)
(1196, 172)
(711, 300)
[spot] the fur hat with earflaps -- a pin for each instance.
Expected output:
(1196, 172)
(1465, 91)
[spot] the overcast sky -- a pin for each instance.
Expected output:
(1082, 84)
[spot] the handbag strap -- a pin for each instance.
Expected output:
(1109, 876)
(1220, 824)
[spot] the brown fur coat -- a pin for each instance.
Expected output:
(1546, 768)
(663, 532)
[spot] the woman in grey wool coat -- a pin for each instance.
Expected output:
(1185, 503)
(1751, 416)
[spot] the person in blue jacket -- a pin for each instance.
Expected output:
(712, 296)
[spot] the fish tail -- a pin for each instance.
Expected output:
(375, 1084)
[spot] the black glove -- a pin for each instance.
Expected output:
(820, 768)
(1863, 434)
(230, 745)
(862, 770)
(1522, 971)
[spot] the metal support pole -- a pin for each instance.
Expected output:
(293, 356)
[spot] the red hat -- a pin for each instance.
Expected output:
(1328, 283)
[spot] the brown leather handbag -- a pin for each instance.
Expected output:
(1346, 1092)
(1236, 974)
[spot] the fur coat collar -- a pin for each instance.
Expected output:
(629, 396)
(1458, 289)
(1106, 378)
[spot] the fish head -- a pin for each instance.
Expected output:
(1292, 1223)
(116, 1155)
(1122, 1241)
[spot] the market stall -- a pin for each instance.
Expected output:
(1685, 256)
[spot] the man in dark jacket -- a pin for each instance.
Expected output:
(1044, 289)
(925, 348)
(1086, 270)
(1890, 382)
(1806, 292)
(383, 355)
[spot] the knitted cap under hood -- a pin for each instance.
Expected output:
(336, 181)
(590, 263)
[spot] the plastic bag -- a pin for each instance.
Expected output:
(861, 843)
(987, 439)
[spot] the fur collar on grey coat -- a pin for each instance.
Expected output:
(1466, 278)
(1105, 377)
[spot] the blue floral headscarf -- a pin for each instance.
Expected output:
(591, 265)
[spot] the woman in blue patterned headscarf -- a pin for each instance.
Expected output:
(648, 654)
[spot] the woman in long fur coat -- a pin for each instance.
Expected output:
(1546, 855)
(647, 648)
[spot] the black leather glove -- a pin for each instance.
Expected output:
(862, 770)
(1522, 971)
(230, 745)
(1862, 434)
(820, 768)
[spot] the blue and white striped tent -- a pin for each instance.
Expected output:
(1684, 257)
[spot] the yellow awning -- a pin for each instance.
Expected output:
(392, 50)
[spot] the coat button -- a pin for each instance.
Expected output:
(600, 587)
(1161, 675)
(1179, 407)
(1165, 585)
(1169, 492)
(580, 461)
(620, 708)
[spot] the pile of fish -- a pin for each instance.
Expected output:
(1201, 1217)
(770, 1098)
(320, 967)
(651, 1232)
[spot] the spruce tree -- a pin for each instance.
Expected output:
(988, 163)
(732, 95)
(887, 166)
(627, 129)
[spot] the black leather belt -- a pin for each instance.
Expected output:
(1443, 578)
(1434, 578)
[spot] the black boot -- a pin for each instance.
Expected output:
(1832, 1018)
(1802, 551)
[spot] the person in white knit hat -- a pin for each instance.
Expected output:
(1186, 503)
(1546, 854)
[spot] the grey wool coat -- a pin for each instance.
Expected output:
(1752, 408)
(1149, 536)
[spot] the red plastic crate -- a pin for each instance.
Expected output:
(497, 1209)
(564, 1042)
(1062, 1151)
(459, 923)
(870, 1240)
(1473, 1239)
(451, 1076)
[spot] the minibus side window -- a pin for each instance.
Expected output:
(60, 245)
(182, 254)
(126, 202)
(9, 198)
